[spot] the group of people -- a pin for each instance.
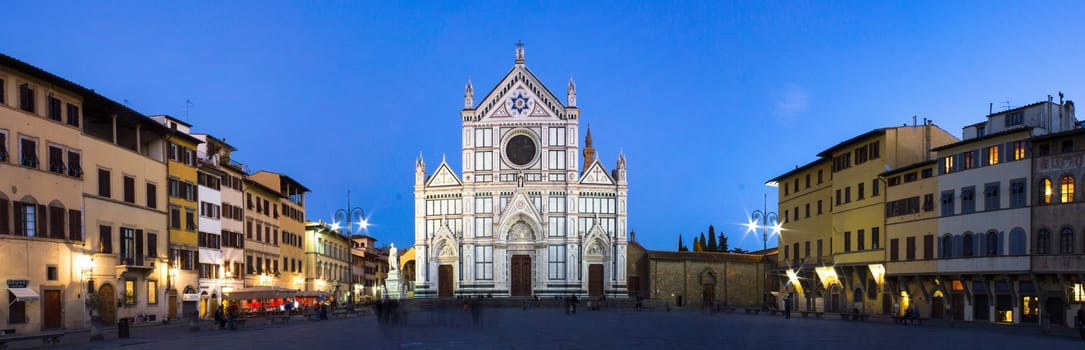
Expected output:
(388, 312)
(570, 304)
(225, 317)
(911, 314)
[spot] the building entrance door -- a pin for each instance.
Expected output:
(51, 305)
(958, 306)
(444, 281)
(708, 295)
(520, 275)
(938, 306)
(595, 280)
(107, 306)
(172, 299)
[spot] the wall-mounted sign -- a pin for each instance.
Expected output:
(190, 297)
(18, 283)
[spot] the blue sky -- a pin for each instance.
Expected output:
(707, 99)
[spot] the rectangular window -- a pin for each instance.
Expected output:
(484, 160)
(248, 264)
(807, 210)
(484, 262)
(190, 220)
(26, 98)
(893, 255)
(875, 238)
(557, 226)
(73, 115)
(2, 90)
(847, 241)
(928, 202)
(909, 249)
(152, 292)
(819, 207)
(27, 220)
(105, 239)
(51, 273)
(54, 109)
(129, 189)
(992, 154)
(820, 251)
(557, 160)
(152, 195)
(947, 165)
(947, 203)
(3, 144)
(820, 177)
(968, 199)
(175, 218)
(75, 167)
(29, 152)
(928, 247)
(484, 137)
(807, 180)
(152, 245)
(838, 197)
(1016, 118)
(861, 240)
(1018, 150)
(847, 194)
(991, 198)
(56, 222)
(807, 249)
(103, 183)
(75, 223)
(129, 292)
(1017, 193)
(862, 192)
(875, 188)
(557, 262)
(968, 160)
(56, 160)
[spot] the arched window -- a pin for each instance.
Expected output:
(992, 244)
(1045, 190)
(1043, 242)
(968, 245)
(1066, 241)
(947, 246)
(1017, 241)
(1066, 189)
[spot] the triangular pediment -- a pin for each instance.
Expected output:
(520, 96)
(597, 175)
(443, 177)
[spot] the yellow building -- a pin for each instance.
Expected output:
(911, 225)
(327, 261)
(41, 229)
(288, 216)
(261, 235)
(183, 281)
(805, 204)
(854, 278)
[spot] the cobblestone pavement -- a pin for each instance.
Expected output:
(553, 329)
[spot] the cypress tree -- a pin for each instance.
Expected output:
(681, 247)
(712, 247)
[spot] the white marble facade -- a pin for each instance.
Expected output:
(522, 219)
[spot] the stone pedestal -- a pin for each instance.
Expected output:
(394, 285)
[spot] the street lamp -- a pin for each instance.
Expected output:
(350, 215)
(762, 217)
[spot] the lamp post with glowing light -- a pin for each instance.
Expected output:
(350, 215)
(761, 218)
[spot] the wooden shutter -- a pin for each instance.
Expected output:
(42, 223)
(4, 215)
(105, 239)
(56, 222)
(75, 225)
(19, 219)
(139, 247)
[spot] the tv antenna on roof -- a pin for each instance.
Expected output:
(188, 106)
(1006, 105)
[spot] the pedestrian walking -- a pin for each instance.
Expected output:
(787, 308)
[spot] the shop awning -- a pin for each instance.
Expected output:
(23, 294)
(310, 293)
(262, 292)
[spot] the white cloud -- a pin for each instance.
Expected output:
(792, 102)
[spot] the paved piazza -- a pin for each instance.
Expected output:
(552, 329)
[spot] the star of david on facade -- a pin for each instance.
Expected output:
(519, 103)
